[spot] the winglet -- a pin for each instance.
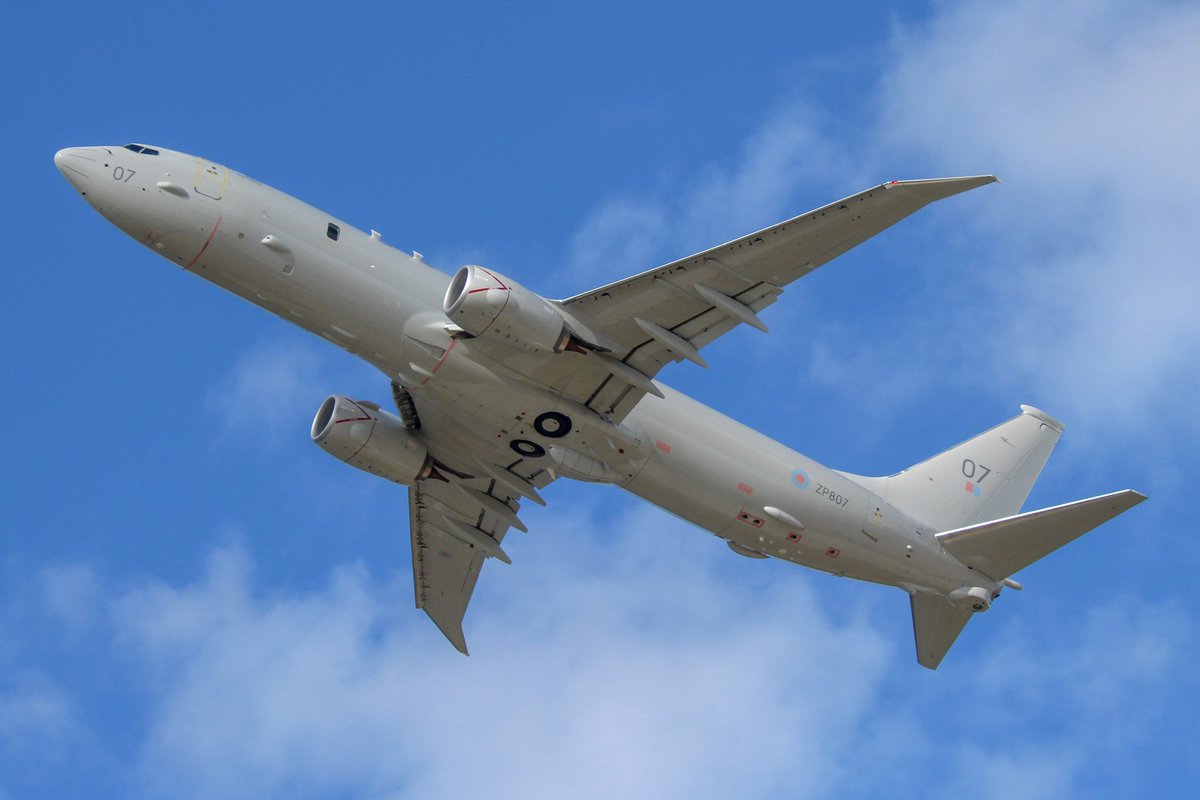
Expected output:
(932, 189)
(452, 630)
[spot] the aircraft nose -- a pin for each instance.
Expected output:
(76, 164)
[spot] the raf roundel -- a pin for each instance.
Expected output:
(800, 479)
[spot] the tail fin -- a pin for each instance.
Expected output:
(999, 548)
(972, 495)
(936, 624)
(983, 478)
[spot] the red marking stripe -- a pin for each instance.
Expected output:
(365, 418)
(499, 282)
(445, 355)
(206, 244)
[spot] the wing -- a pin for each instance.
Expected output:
(667, 314)
(458, 524)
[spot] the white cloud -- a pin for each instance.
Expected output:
(1087, 110)
(1073, 282)
(629, 234)
(37, 716)
(274, 387)
(270, 390)
(618, 656)
(621, 233)
(71, 593)
(790, 151)
(620, 668)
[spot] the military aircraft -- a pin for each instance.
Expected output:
(499, 391)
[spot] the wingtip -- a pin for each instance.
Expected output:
(1125, 498)
(452, 631)
(940, 188)
(1136, 497)
(456, 637)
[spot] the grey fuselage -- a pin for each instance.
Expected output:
(365, 296)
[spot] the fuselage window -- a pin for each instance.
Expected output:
(332, 231)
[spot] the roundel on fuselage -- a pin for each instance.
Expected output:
(527, 448)
(552, 425)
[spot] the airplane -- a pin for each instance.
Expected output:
(499, 391)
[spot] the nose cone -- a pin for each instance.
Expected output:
(76, 164)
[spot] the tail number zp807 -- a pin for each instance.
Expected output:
(834, 497)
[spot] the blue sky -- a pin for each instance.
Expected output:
(195, 601)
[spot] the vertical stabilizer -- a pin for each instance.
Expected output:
(983, 478)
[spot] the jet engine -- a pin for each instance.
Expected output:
(363, 436)
(486, 304)
(974, 597)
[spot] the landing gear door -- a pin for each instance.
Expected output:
(211, 179)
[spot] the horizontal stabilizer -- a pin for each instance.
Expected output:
(936, 624)
(1003, 546)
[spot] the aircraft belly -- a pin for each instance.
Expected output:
(522, 420)
(706, 503)
(761, 495)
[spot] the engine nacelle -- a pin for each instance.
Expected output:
(372, 440)
(486, 304)
(973, 597)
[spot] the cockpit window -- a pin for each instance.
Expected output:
(137, 148)
(332, 231)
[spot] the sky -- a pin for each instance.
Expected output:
(196, 602)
